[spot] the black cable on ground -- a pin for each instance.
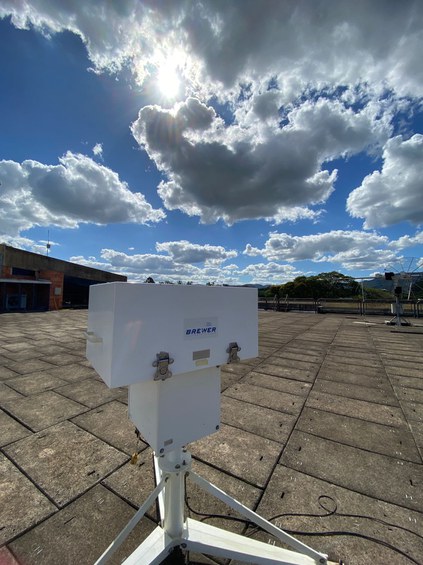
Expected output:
(328, 512)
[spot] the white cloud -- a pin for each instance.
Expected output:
(78, 190)
(407, 241)
(270, 273)
(98, 150)
(255, 167)
(246, 171)
(26, 243)
(193, 253)
(395, 193)
(351, 249)
(174, 267)
(224, 43)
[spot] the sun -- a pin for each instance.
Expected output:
(168, 80)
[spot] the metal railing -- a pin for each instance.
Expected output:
(410, 308)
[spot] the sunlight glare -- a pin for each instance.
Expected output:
(168, 80)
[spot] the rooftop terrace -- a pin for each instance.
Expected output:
(324, 431)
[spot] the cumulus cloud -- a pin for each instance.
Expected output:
(225, 43)
(26, 243)
(242, 172)
(273, 70)
(175, 267)
(395, 193)
(192, 253)
(77, 190)
(266, 163)
(407, 241)
(351, 249)
(270, 273)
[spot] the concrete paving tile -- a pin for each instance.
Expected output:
(362, 353)
(72, 373)
(330, 365)
(64, 460)
(242, 454)
(385, 478)
(29, 366)
(238, 369)
(309, 346)
(299, 355)
(353, 512)
(51, 349)
(404, 363)
(81, 532)
(355, 378)
(383, 396)
(286, 372)
(34, 383)
(7, 394)
(6, 373)
(274, 399)
(256, 419)
(387, 415)
(282, 384)
(20, 346)
(22, 505)
(110, 423)
(134, 483)
(395, 371)
(64, 358)
(409, 382)
(228, 379)
(412, 410)
(353, 361)
(417, 431)
(265, 351)
(201, 504)
(409, 394)
(21, 356)
(43, 410)
(91, 392)
(317, 337)
(11, 430)
(387, 440)
(401, 355)
(293, 363)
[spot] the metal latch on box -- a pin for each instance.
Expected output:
(162, 363)
(233, 352)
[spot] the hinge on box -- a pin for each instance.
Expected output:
(233, 352)
(162, 363)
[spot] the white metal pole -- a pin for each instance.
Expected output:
(173, 520)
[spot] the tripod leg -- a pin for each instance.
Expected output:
(130, 525)
(203, 538)
(256, 519)
(153, 549)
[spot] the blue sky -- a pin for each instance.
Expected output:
(213, 141)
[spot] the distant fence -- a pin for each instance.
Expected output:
(411, 308)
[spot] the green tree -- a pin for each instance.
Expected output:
(323, 285)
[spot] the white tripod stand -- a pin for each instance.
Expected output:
(191, 535)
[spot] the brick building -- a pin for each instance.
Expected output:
(33, 282)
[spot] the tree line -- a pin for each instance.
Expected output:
(323, 285)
